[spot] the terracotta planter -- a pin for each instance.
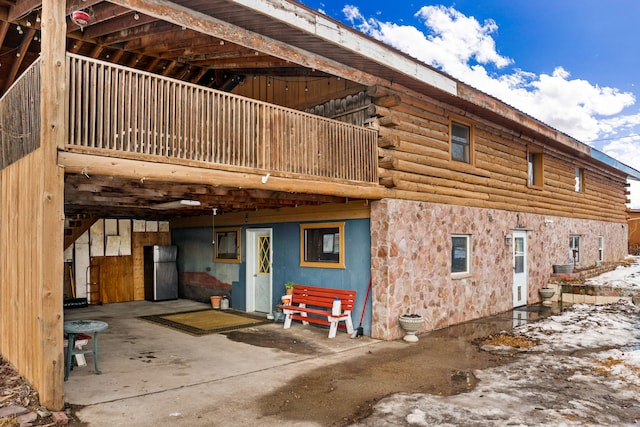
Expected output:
(215, 301)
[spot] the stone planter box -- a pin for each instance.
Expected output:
(563, 268)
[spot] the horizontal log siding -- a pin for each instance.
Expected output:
(417, 163)
(20, 117)
(125, 112)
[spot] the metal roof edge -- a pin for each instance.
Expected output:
(608, 160)
(303, 18)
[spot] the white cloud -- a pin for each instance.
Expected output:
(462, 37)
(465, 49)
(627, 149)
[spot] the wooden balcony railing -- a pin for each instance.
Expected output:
(122, 110)
(20, 117)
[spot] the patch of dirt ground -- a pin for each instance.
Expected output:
(441, 363)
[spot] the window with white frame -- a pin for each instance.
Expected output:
(574, 249)
(460, 253)
(601, 248)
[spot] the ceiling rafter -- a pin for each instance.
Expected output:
(111, 196)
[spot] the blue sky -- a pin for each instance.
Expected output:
(571, 64)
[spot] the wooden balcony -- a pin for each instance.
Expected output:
(121, 112)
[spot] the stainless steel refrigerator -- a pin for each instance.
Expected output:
(160, 273)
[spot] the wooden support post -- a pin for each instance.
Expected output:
(50, 219)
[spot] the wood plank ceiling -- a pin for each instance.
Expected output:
(120, 35)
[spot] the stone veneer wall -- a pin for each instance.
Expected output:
(411, 260)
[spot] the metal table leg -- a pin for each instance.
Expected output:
(95, 352)
(71, 343)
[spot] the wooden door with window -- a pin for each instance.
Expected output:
(259, 255)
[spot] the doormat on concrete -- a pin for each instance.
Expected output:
(204, 322)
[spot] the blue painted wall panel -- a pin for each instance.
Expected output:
(196, 255)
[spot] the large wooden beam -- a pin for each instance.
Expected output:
(141, 170)
(50, 220)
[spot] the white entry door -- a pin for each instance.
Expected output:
(520, 273)
(259, 270)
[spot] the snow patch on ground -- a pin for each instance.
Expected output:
(621, 277)
(584, 370)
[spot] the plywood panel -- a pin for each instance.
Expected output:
(116, 278)
(124, 230)
(97, 238)
(81, 263)
(139, 226)
(111, 227)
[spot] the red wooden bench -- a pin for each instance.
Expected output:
(311, 304)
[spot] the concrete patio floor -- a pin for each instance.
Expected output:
(153, 375)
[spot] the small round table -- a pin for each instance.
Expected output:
(73, 327)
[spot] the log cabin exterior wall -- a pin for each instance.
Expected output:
(415, 160)
(296, 92)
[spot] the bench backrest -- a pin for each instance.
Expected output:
(323, 297)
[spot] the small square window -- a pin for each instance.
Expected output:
(322, 245)
(460, 253)
(460, 142)
(227, 245)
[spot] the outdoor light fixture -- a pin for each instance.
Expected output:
(508, 239)
(80, 18)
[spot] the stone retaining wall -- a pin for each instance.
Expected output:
(571, 293)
